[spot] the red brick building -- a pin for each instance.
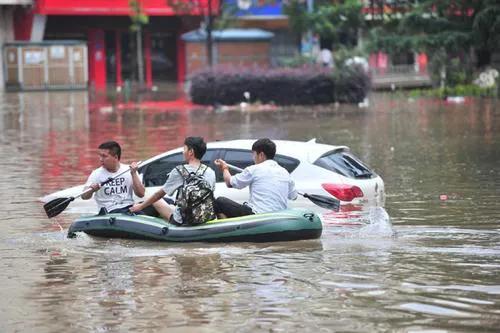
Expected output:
(234, 47)
(105, 26)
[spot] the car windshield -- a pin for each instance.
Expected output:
(344, 163)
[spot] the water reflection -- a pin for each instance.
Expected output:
(439, 272)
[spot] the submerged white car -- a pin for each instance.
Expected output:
(316, 169)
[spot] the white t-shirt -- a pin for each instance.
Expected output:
(270, 186)
(116, 194)
(325, 57)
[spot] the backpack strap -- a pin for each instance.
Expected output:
(185, 173)
(203, 167)
(181, 169)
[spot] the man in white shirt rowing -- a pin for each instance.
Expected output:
(117, 195)
(270, 184)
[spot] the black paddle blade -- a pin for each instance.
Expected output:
(56, 206)
(324, 202)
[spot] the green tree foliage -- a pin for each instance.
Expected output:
(138, 18)
(337, 21)
(137, 15)
(449, 31)
(199, 7)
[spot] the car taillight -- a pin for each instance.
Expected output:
(343, 192)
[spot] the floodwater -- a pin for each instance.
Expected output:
(436, 270)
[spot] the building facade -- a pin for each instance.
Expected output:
(7, 9)
(269, 16)
(112, 46)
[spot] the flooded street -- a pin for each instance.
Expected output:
(438, 270)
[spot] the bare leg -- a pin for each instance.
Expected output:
(165, 210)
(221, 216)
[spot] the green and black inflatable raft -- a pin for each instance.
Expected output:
(286, 225)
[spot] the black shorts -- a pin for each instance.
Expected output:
(125, 210)
(231, 208)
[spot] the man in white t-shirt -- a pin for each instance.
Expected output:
(270, 184)
(117, 195)
(325, 58)
(194, 149)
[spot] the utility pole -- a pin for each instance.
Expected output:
(310, 6)
(209, 28)
(307, 49)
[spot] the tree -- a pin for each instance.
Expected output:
(138, 20)
(218, 14)
(336, 21)
(451, 32)
(207, 8)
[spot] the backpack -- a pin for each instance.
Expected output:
(195, 197)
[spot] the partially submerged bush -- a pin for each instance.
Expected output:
(351, 84)
(284, 86)
(459, 90)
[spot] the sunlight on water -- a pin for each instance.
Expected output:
(433, 309)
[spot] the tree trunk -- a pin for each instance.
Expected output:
(442, 77)
(140, 60)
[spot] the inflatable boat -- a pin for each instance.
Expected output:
(287, 225)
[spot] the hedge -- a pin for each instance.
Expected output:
(282, 86)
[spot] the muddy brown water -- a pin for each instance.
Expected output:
(438, 272)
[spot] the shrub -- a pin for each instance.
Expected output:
(351, 84)
(458, 90)
(284, 86)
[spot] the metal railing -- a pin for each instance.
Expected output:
(397, 70)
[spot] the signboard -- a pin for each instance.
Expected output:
(116, 7)
(57, 52)
(33, 57)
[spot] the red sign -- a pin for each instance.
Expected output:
(121, 7)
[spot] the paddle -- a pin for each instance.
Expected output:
(319, 200)
(57, 206)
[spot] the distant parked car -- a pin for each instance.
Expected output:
(316, 168)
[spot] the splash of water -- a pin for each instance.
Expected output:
(377, 224)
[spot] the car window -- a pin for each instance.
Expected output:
(209, 159)
(244, 158)
(156, 173)
(346, 164)
(239, 158)
(288, 163)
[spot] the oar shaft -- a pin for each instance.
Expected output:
(106, 181)
(90, 189)
(234, 167)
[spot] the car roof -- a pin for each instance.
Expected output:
(301, 150)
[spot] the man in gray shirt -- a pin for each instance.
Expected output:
(194, 149)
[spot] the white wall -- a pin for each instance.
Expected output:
(16, 2)
(6, 35)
